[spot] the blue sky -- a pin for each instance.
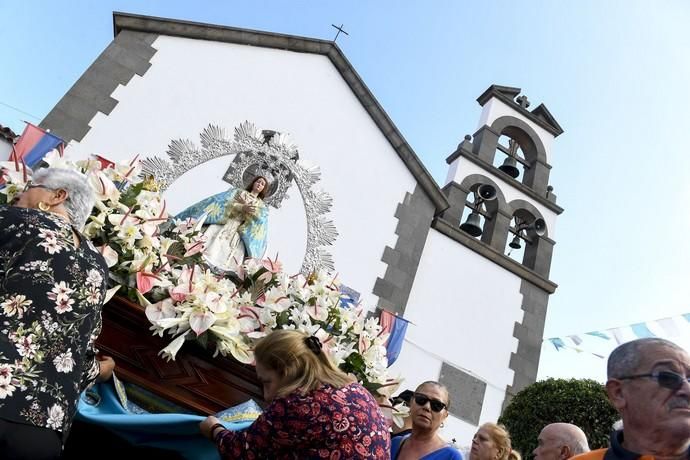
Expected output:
(613, 73)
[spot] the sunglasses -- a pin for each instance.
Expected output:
(436, 405)
(665, 379)
(29, 185)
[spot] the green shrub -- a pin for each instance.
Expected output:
(580, 402)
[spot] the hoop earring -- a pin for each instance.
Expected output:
(43, 206)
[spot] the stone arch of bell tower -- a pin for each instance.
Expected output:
(485, 146)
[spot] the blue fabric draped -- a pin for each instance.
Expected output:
(214, 206)
(179, 432)
(253, 233)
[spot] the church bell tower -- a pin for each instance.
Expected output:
(502, 201)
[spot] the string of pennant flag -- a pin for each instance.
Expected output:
(669, 327)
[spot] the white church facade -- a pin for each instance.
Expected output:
(477, 314)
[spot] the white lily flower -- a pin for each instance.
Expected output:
(129, 171)
(129, 233)
(110, 293)
(109, 254)
(14, 172)
(276, 299)
(160, 310)
(169, 352)
(200, 321)
(234, 345)
(167, 323)
(399, 413)
(103, 187)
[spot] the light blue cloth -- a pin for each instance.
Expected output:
(178, 432)
(254, 234)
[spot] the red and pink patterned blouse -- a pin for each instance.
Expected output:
(330, 423)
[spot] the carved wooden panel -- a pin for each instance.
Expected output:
(194, 380)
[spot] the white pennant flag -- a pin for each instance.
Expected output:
(669, 326)
(618, 335)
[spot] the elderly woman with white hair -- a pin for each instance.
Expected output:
(52, 288)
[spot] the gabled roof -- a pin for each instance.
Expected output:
(507, 95)
(195, 30)
(7, 134)
(508, 92)
(543, 113)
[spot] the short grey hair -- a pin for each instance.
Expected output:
(578, 444)
(569, 435)
(625, 359)
(80, 196)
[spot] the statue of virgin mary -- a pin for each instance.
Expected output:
(235, 225)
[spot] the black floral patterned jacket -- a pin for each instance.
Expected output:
(51, 294)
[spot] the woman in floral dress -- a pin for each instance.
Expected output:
(316, 411)
(52, 287)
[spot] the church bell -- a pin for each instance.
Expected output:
(539, 226)
(515, 244)
(509, 167)
(471, 225)
(486, 192)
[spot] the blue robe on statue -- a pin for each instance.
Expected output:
(232, 232)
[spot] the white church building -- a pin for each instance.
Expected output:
(476, 304)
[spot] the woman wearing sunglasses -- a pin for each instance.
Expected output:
(428, 410)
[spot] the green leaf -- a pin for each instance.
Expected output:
(176, 249)
(203, 340)
(129, 197)
(283, 318)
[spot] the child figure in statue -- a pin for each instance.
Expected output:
(236, 224)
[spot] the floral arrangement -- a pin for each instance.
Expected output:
(129, 223)
(158, 261)
(233, 315)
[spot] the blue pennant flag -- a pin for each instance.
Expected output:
(601, 335)
(558, 343)
(642, 331)
(396, 327)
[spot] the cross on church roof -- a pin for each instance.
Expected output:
(340, 29)
(523, 101)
